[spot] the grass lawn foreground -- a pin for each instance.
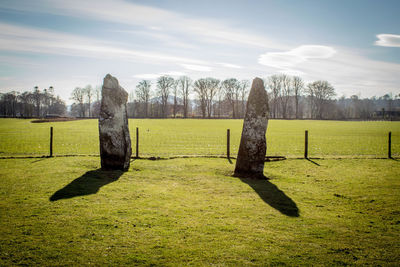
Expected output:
(191, 211)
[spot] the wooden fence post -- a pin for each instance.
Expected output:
(390, 146)
(228, 143)
(137, 142)
(306, 145)
(51, 141)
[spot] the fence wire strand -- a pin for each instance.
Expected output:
(168, 138)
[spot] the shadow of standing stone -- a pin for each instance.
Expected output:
(87, 184)
(273, 196)
(115, 141)
(253, 146)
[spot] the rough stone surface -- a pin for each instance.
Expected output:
(253, 147)
(115, 142)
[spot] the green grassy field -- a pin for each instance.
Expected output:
(65, 211)
(170, 137)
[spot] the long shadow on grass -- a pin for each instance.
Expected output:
(273, 196)
(313, 162)
(87, 184)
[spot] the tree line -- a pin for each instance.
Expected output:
(36, 103)
(289, 97)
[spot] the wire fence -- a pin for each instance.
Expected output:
(169, 138)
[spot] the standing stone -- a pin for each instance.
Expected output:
(253, 147)
(115, 141)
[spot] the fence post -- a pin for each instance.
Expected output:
(306, 145)
(228, 143)
(390, 146)
(51, 141)
(137, 142)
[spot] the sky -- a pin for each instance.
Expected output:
(354, 45)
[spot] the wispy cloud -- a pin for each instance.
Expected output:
(350, 71)
(6, 78)
(27, 39)
(197, 67)
(173, 73)
(346, 69)
(19, 61)
(229, 65)
(388, 40)
(157, 35)
(124, 12)
(291, 58)
(147, 76)
(153, 76)
(291, 72)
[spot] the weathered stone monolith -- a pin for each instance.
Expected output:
(115, 141)
(253, 147)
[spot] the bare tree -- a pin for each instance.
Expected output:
(212, 85)
(355, 109)
(286, 92)
(88, 91)
(220, 97)
(51, 98)
(298, 86)
(230, 87)
(389, 103)
(131, 105)
(184, 84)
(143, 95)
(320, 93)
(236, 94)
(200, 88)
(27, 101)
(78, 95)
(38, 99)
(45, 102)
(8, 102)
(15, 104)
(175, 93)
(131, 96)
(164, 85)
(275, 86)
(244, 90)
(98, 93)
(368, 108)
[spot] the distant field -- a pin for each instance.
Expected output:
(169, 137)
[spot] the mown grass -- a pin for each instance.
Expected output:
(65, 211)
(169, 137)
